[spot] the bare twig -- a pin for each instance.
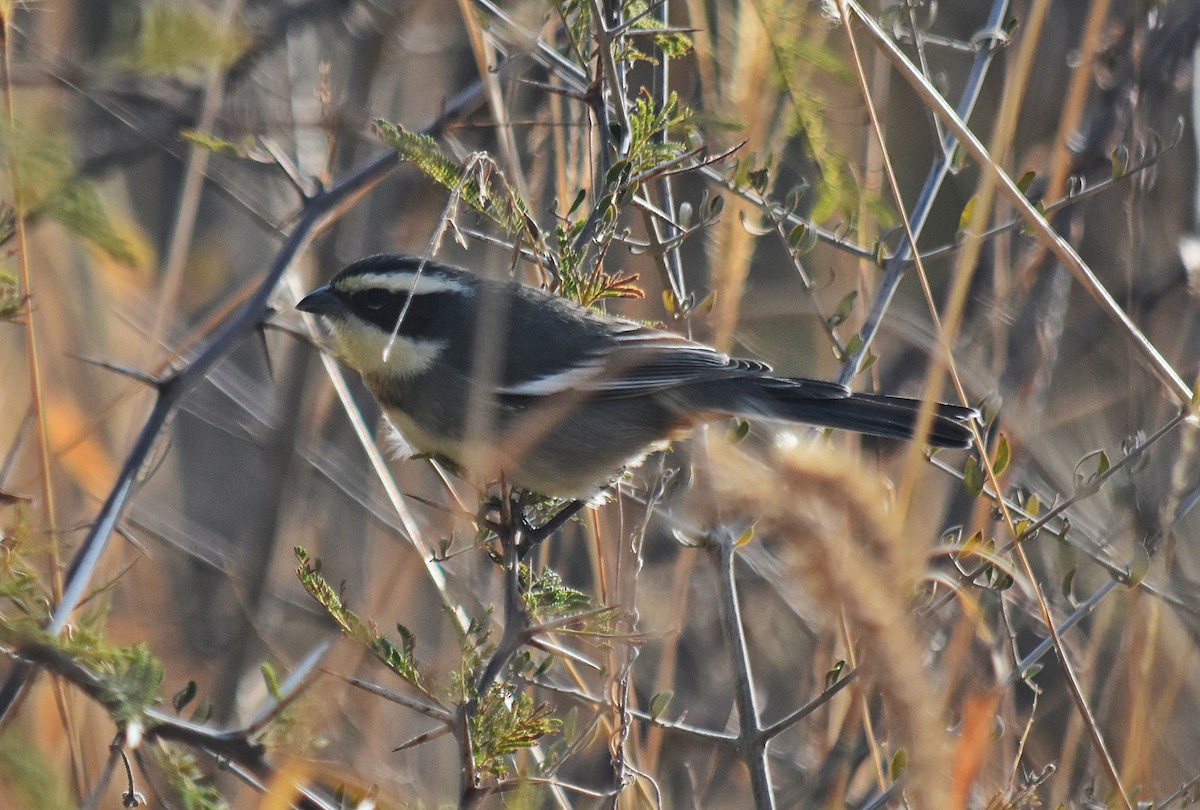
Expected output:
(317, 214)
(1168, 378)
(993, 37)
(752, 744)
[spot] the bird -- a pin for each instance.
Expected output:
(516, 384)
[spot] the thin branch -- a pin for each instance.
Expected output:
(896, 264)
(670, 260)
(187, 208)
(784, 723)
(30, 317)
(1042, 523)
(751, 743)
(317, 213)
(516, 618)
(428, 709)
(298, 680)
(421, 739)
(1060, 247)
(708, 735)
(100, 788)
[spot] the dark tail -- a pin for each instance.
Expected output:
(892, 417)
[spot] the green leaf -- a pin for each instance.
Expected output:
(797, 195)
(271, 679)
(958, 158)
(1025, 181)
(971, 546)
(973, 477)
(1002, 457)
(760, 179)
(579, 198)
(899, 764)
(618, 174)
(647, 123)
(570, 725)
(1068, 583)
(202, 713)
(739, 431)
(843, 309)
(218, 146)
(835, 673)
(547, 596)
(1120, 161)
(745, 537)
(1139, 566)
(801, 239)
(184, 696)
(852, 346)
(1088, 482)
(964, 217)
(705, 307)
(997, 579)
(659, 702)
(47, 184)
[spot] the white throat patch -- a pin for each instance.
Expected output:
(372, 351)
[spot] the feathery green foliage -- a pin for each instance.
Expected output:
(398, 658)
(124, 679)
(191, 786)
(182, 41)
(47, 184)
(506, 721)
(647, 121)
(481, 186)
(546, 596)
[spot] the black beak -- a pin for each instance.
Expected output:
(322, 301)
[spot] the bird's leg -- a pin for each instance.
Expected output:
(532, 535)
(509, 529)
(514, 527)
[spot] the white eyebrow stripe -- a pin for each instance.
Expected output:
(428, 282)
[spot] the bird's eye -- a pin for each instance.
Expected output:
(375, 299)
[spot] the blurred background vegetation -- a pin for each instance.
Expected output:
(158, 155)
